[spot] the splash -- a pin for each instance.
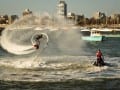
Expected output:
(62, 59)
(41, 22)
(64, 39)
(11, 43)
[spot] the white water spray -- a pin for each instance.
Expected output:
(7, 42)
(18, 41)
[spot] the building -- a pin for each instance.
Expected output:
(99, 15)
(4, 19)
(71, 18)
(62, 8)
(80, 19)
(26, 12)
(76, 19)
(115, 18)
(12, 18)
(99, 18)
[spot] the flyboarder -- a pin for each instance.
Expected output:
(37, 39)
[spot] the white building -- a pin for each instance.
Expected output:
(27, 12)
(99, 15)
(62, 8)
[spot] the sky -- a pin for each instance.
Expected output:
(86, 7)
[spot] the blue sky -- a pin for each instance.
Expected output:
(86, 7)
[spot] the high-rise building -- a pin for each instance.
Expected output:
(62, 8)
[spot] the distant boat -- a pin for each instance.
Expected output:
(106, 32)
(92, 35)
(99, 34)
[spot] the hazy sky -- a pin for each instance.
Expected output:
(86, 7)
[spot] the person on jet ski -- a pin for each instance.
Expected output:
(99, 56)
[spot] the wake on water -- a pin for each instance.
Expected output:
(59, 38)
(61, 50)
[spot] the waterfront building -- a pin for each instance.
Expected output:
(4, 19)
(62, 8)
(115, 18)
(79, 19)
(100, 18)
(12, 18)
(27, 12)
(71, 17)
(99, 15)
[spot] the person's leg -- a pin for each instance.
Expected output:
(98, 61)
(95, 63)
(101, 62)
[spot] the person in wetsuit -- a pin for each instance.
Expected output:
(37, 39)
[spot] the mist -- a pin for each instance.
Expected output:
(64, 38)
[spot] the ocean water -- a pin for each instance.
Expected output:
(65, 63)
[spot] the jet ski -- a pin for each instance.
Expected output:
(99, 63)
